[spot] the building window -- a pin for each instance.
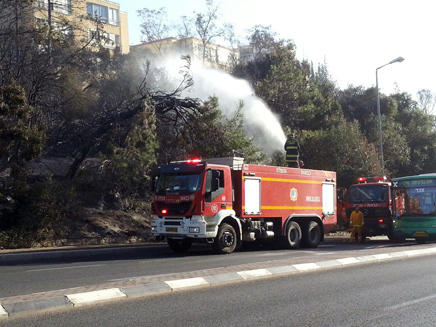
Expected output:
(58, 6)
(92, 34)
(112, 40)
(113, 17)
(97, 11)
(108, 40)
(62, 6)
(117, 40)
(57, 27)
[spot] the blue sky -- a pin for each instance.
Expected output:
(353, 38)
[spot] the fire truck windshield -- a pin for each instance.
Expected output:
(415, 201)
(368, 193)
(174, 184)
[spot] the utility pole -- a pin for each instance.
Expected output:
(49, 29)
(17, 52)
(49, 13)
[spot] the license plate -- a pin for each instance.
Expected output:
(172, 229)
(420, 234)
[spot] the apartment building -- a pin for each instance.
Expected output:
(211, 54)
(85, 18)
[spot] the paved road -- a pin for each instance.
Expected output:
(392, 293)
(156, 263)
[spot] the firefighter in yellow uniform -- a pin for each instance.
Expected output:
(356, 222)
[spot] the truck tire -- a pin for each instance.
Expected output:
(226, 240)
(293, 235)
(311, 235)
(179, 246)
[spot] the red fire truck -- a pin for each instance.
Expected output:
(225, 202)
(373, 196)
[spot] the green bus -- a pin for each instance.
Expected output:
(414, 207)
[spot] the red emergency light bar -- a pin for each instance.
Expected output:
(372, 179)
(193, 160)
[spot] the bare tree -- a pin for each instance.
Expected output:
(185, 28)
(208, 27)
(118, 105)
(154, 26)
(427, 101)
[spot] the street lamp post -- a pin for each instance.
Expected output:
(380, 139)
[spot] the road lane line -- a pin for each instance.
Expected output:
(410, 303)
(63, 268)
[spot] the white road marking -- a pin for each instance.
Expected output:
(247, 274)
(64, 268)
(3, 311)
(348, 261)
(95, 296)
(306, 266)
(187, 282)
(410, 303)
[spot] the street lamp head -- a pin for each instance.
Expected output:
(399, 59)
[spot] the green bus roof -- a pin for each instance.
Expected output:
(414, 177)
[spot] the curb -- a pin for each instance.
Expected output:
(111, 294)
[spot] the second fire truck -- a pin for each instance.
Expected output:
(373, 196)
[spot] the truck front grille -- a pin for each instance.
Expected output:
(372, 212)
(178, 209)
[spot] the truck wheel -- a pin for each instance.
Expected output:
(226, 240)
(179, 246)
(293, 235)
(312, 235)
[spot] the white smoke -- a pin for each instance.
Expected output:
(259, 122)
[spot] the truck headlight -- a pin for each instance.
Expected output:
(194, 229)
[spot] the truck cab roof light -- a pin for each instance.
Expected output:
(372, 179)
(193, 160)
